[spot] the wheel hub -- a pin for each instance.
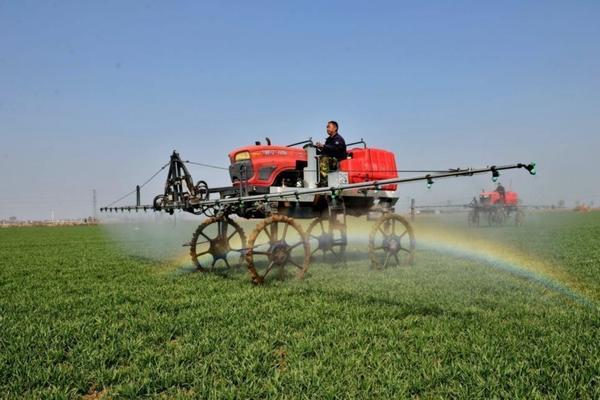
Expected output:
(219, 249)
(392, 244)
(326, 241)
(279, 253)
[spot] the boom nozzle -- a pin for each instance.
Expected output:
(429, 181)
(495, 174)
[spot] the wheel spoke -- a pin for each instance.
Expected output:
(386, 225)
(207, 238)
(269, 267)
(285, 229)
(321, 224)
(266, 231)
(294, 246)
(274, 232)
(232, 235)
(397, 260)
(387, 257)
(296, 264)
(223, 225)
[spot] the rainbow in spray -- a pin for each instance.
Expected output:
(467, 245)
(491, 254)
(504, 258)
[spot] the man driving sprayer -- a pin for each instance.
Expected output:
(332, 151)
(502, 192)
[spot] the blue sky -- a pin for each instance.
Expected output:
(97, 94)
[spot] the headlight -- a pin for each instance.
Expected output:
(242, 155)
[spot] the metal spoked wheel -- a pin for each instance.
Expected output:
(519, 217)
(275, 243)
(217, 238)
(473, 218)
(496, 216)
(329, 237)
(391, 242)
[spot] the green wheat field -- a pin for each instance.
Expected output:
(82, 317)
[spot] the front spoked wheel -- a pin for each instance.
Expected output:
(218, 242)
(277, 247)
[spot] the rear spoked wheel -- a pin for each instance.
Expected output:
(519, 217)
(391, 242)
(329, 238)
(218, 242)
(278, 246)
(497, 216)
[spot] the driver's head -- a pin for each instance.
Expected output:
(332, 128)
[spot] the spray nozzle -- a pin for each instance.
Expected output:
(495, 174)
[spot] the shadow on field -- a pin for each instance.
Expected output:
(354, 298)
(385, 306)
(147, 261)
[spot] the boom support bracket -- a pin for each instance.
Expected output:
(180, 191)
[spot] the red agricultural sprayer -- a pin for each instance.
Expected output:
(495, 208)
(280, 184)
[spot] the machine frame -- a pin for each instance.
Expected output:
(391, 239)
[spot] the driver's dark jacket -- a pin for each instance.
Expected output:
(334, 146)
